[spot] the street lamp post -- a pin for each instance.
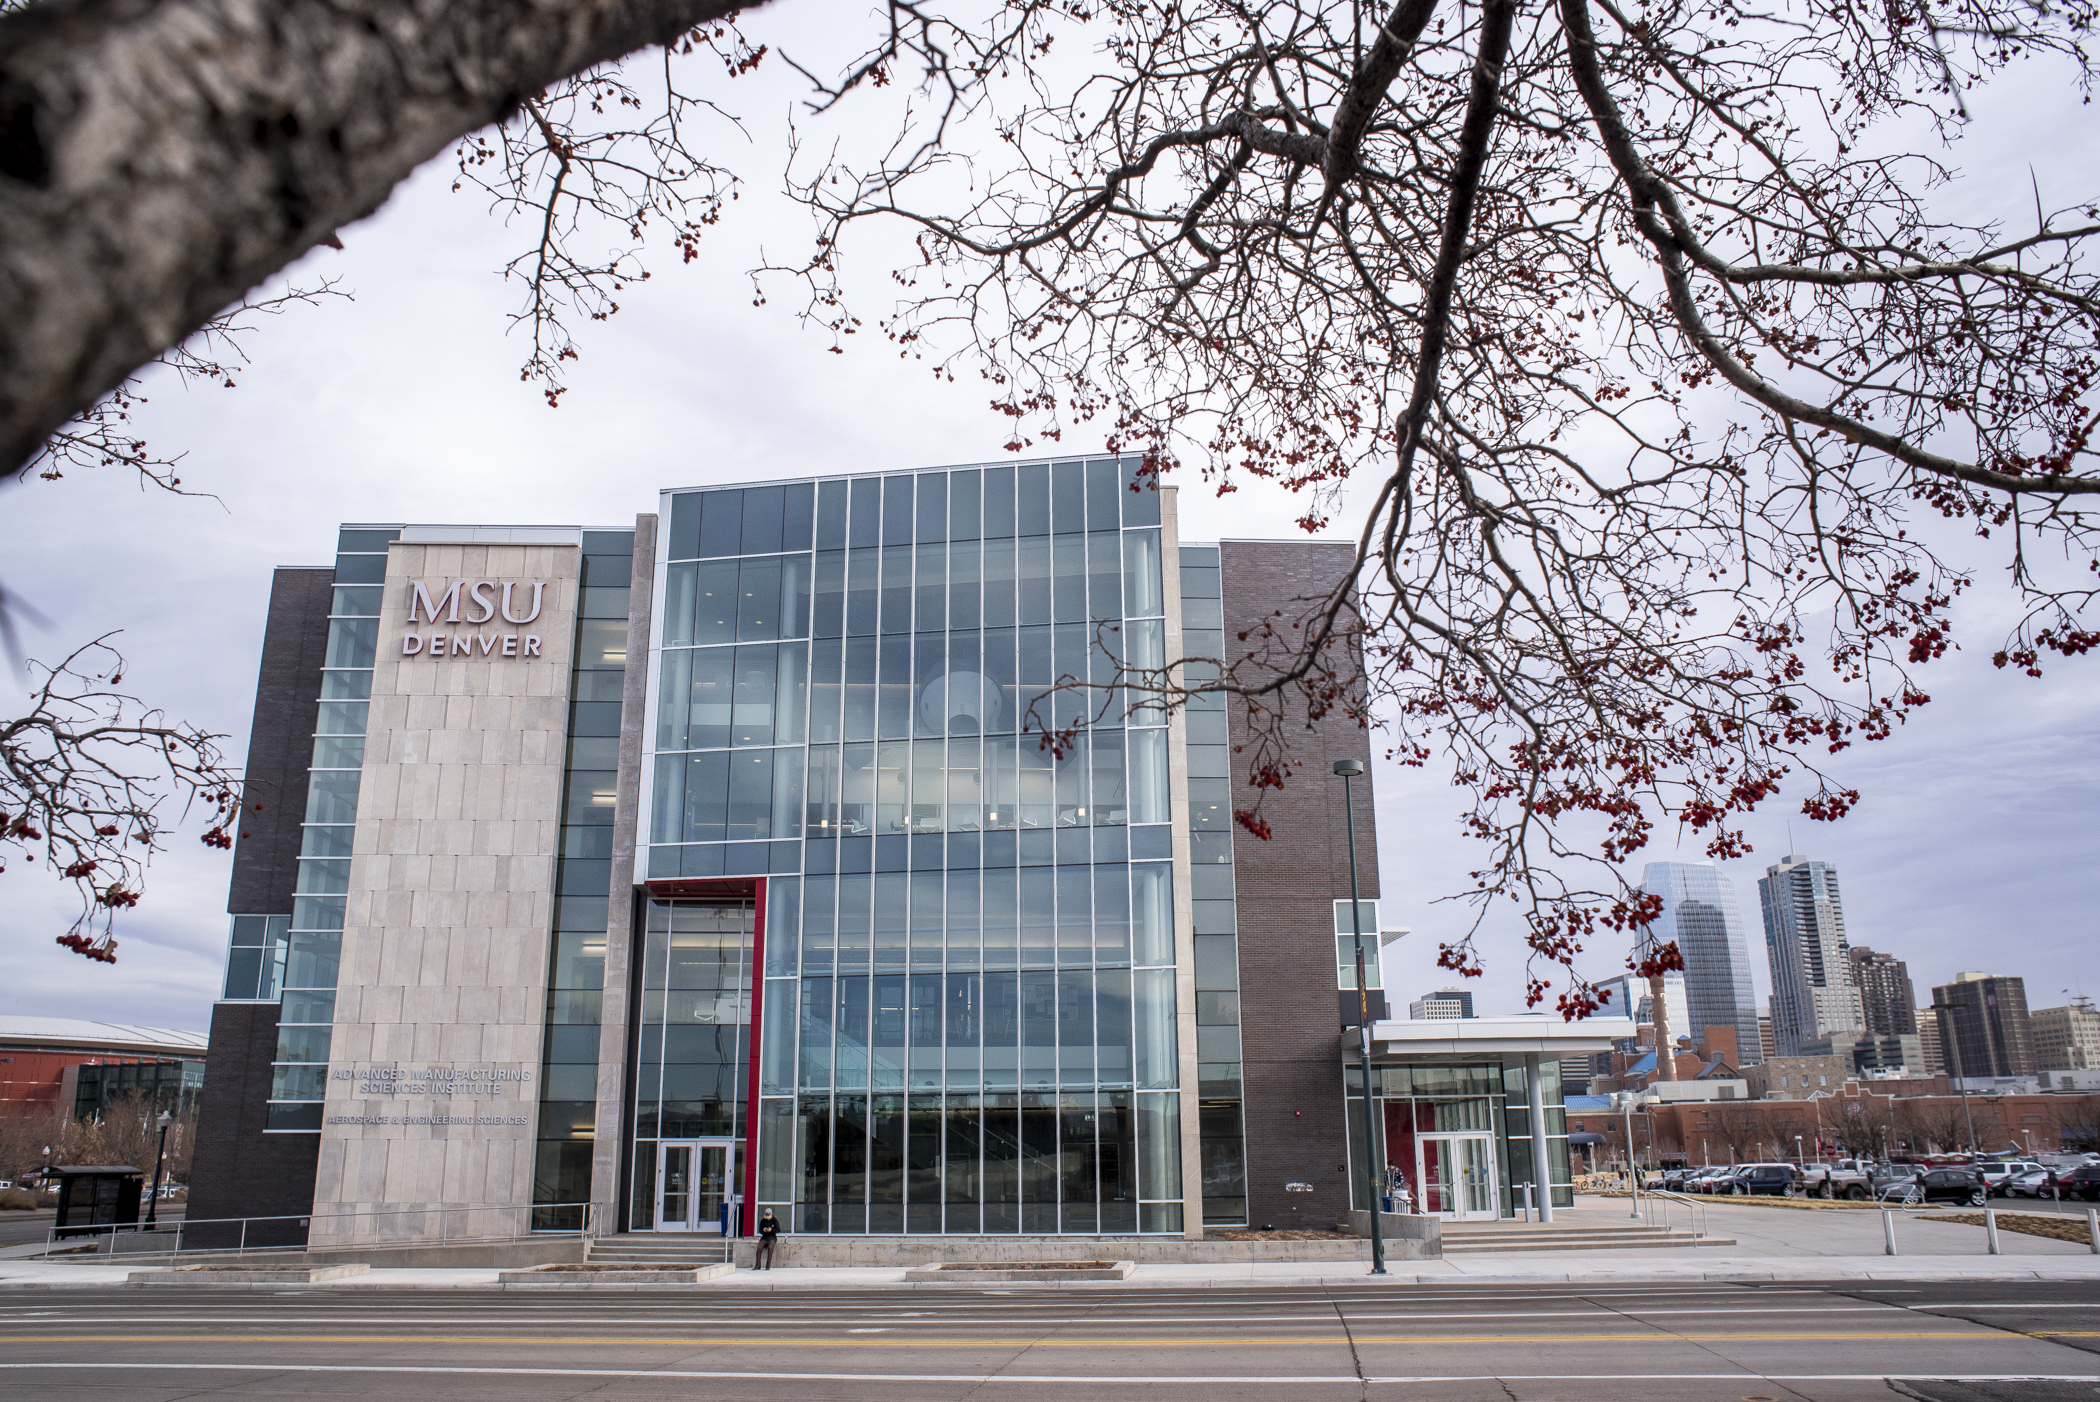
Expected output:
(1633, 1168)
(153, 1206)
(1349, 769)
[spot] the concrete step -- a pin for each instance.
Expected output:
(1469, 1249)
(1452, 1230)
(1575, 1239)
(667, 1250)
(1505, 1224)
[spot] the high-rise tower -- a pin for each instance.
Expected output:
(1983, 1026)
(1700, 914)
(1885, 992)
(1813, 994)
(2066, 1038)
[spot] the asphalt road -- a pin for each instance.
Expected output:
(1952, 1342)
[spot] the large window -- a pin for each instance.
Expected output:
(583, 884)
(301, 971)
(968, 1013)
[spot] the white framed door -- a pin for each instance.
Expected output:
(693, 1178)
(1457, 1174)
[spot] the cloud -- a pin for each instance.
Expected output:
(1974, 848)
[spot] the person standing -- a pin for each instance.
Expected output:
(768, 1238)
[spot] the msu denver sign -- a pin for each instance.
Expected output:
(470, 604)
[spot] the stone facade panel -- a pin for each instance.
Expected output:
(464, 760)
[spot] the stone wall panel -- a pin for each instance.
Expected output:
(452, 877)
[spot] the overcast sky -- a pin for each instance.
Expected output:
(1974, 849)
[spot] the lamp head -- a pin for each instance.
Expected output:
(1349, 768)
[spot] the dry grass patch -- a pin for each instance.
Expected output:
(2059, 1228)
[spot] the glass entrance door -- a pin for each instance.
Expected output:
(1457, 1175)
(693, 1179)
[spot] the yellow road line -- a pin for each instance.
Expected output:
(1654, 1336)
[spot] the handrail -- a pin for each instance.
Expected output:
(1694, 1210)
(179, 1230)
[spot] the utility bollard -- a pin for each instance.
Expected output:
(1527, 1202)
(2092, 1228)
(1990, 1227)
(1888, 1233)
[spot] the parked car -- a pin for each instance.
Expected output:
(1761, 1179)
(1887, 1173)
(1955, 1185)
(1702, 1180)
(1846, 1178)
(1997, 1175)
(2035, 1183)
(2082, 1181)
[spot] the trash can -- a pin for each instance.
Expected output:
(94, 1198)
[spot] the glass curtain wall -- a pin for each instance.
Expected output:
(969, 1002)
(172, 1086)
(1490, 1098)
(303, 968)
(582, 880)
(692, 1032)
(727, 792)
(1516, 1134)
(1224, 1145)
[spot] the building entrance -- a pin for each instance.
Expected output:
(694, 1178)
(1457, 1174)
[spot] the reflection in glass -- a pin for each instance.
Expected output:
(969, 1049)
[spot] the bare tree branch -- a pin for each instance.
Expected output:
(105, 436)
(159, 160)
(1665, 386)
(84, 776)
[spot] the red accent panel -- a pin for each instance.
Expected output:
(747, 1218)
(1400, 1130)
(704, 888)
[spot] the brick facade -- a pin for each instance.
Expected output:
(280, 742)
(239, 1171)
(1858, 1121)
(1291, 1043)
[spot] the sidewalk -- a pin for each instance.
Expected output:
(1772, 1243)
(1530, 1268)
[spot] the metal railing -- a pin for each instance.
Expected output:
(384, 1229)
(1666, 1205)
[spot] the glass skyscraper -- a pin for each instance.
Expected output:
(1700, 913)
(1813, 995)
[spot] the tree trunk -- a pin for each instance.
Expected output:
(159, 158)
